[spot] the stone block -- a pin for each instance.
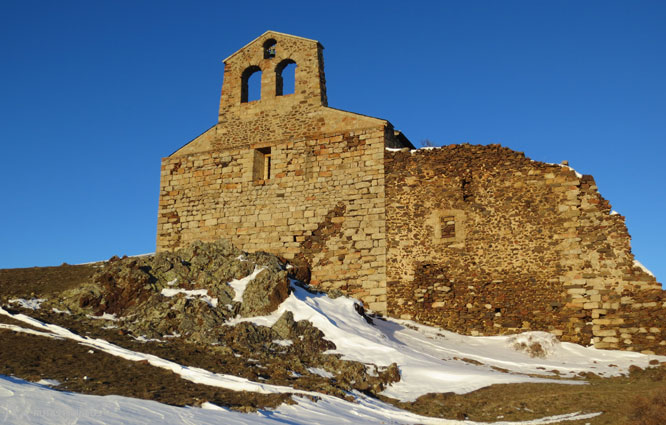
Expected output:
(379, 307)
(604, 332)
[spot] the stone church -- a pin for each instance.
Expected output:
(474, 239)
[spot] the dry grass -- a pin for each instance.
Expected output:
(33, 357)
(534, 349)
(649, 411)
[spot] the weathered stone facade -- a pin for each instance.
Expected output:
(285, 174)
(533, 246)
(476, 239)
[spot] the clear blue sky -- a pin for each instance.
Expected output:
(94, 93)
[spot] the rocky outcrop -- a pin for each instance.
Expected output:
(264, 293)
(184, 298)
(185, 292)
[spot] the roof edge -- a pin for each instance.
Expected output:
(361, 115)
(266, 32)
(180, 148)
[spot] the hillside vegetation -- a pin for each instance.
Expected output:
(210, 326)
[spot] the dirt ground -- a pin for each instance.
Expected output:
(36, 282)
(614, 397)
(81, 369)
(85, 370)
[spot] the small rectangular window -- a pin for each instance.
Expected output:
(267, 166)
(448, 226)
(262, 164)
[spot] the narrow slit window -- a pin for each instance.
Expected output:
(267, 166)
(262, 169)
(448, 226)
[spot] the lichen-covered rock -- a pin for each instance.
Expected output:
(299, 269)
(265, 293)
(184, 298)
(249, 334)
(285, 325)
(184, 293)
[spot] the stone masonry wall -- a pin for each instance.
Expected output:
(323, 203)
(482, 240)
(273, 118)
(476, 239)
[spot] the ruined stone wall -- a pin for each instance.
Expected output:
(324, 202)
(482, 240)
(475, 239)
(611, 302)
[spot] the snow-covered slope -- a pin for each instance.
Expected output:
(429, 359)
(23, 403)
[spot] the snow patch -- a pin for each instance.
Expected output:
(143, 338)
(371, 370)
(535, 344)
(239, 285)
(642, 267)
(49, 382)
(357, 340)
(190, 294)
(29, 403)
(412, 151)
(426, 356)
(55, 310)
(32, 304)
(15, 328)
(194, 374)
(428, 359)
(579, 175)
(321, 372)
(147, 254)
(283, 342)
(105, 316)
